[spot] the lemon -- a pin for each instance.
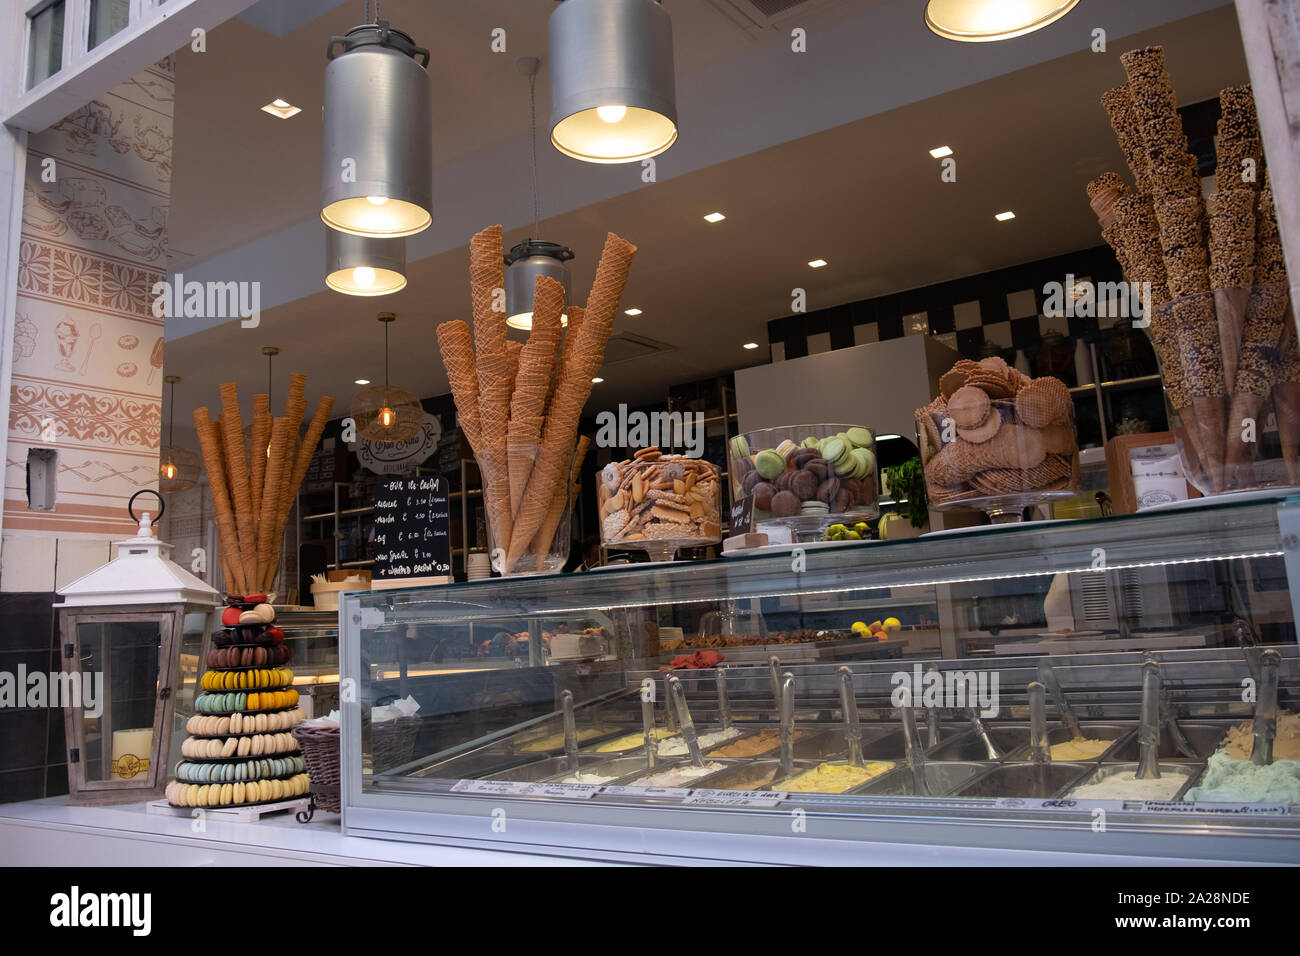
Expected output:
(893, 624)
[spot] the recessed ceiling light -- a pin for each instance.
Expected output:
(631, 311)
(939, 152)
(714, 217)
(751, 345)
(597, 380)
(1004, 216)
(281, 108)
(362, 381)
(817, 263)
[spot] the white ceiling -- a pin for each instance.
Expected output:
(864, 195)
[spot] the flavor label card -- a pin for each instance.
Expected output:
(666, 793)
(1238, 809)
(1158, 476)
(735, 798)
(514, 788)
(1026, 803)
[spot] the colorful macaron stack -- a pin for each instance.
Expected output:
(816, 475)
(239, 751)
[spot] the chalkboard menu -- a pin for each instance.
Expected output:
(412, 528)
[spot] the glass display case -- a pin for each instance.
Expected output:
(1062, 689)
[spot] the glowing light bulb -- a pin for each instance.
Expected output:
(611, 114)
(387, 417)
(169, 471)
(376, 200)
(363, 277)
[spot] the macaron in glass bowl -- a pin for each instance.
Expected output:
(805, 477)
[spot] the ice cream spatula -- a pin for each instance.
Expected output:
(787, 724)
(982, 733)
(678, 694)
(724, 705)
(849, 707)
(774, 666)
(1040, 751)
(1149, 728)
(1261, 753)
(932, 716)
(1047, 677)
(915, 752)
(648, 725)
(570, 731)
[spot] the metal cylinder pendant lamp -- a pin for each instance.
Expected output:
(982, 21)
(357, 265)
(377, 164)
(613, 89)
(525, 262)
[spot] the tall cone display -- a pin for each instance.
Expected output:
(253, 492)
(239, 750)
(1218, 284)
(519, 408)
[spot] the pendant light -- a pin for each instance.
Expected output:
(533, 257)
(613, 90)
(977, 21)
(178, 468)
(387, 414)
(270, 351)
(357, 265)
(377, 172)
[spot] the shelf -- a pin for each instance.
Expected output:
(1136, 382)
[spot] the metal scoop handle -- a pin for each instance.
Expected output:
(849, 707)
(678, 694)
(1261, 753)
(1149, 728)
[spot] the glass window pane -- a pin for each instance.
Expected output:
(45, 44)
(119, 674)
(107, 17)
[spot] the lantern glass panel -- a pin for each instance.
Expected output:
(121, 660)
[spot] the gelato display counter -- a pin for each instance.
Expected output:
(795, 732)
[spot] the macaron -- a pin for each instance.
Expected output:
(740, 446)
(769, 463)
(814, 508)
(265, 613)
(861, 437)
(810, 442)
(804, 484)
(250, 617)
(785, 504)
(230, 617)
(864, 462)
(787, 449)
(254, 599)
(763, 493)
(835, 450)
(275, 634)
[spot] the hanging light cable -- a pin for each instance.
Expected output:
(377, 162)
(533, 257)
(613, 89)
(178, 468)
(387, 414)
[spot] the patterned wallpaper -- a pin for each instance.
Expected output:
(87, 377)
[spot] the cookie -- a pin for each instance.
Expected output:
(785, 504)
(983, 432)
(1043, 402)
(969, 406)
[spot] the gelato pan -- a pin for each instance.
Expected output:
(833, 777)
(1080, 748)
(752, 746)
(1124, 785)
(586, 778)
(630, 741)
(1239, 781)
(676, 776)
(555, 741)
(676, 746)
(1240, 742)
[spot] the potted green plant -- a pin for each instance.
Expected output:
(905, 484)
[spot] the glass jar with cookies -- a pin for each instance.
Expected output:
(658, 503)
(997, 441)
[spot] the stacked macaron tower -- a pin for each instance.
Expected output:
(802, 475)
(240, 751)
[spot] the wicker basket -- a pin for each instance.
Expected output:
(392, 742)
(320, 748)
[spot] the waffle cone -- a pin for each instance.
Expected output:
(486, 276)
(1243, 419)
(571, 392)
(227, 536)
(458, 358)
(550, 524)
(1230, 305)
(1286, 402)
(260, 439)
(266, 550)
(294, 471)
(241, 494)
(532, 385)
(1210, 427)
(1118, 104)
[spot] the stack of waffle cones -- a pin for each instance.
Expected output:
(519, 404)
(253, 491)
(1217, 283)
